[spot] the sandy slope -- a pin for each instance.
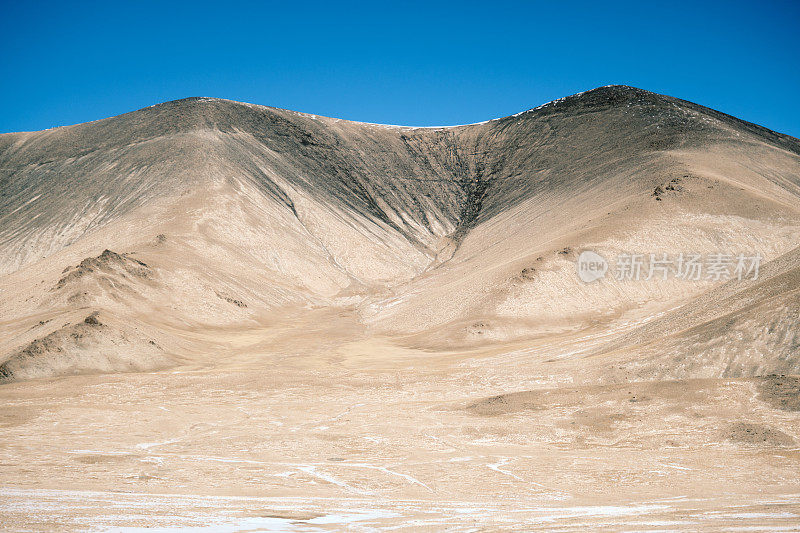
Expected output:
(385, 324)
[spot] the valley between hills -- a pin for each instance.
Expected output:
(234, 317)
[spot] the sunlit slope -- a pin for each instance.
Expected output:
(205, 213)
(614, 170)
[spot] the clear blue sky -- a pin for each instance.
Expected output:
(407, 63)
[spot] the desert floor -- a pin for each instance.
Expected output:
(303, 428)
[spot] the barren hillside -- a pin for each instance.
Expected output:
(402, 302)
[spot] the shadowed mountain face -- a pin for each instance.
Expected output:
(221, 214)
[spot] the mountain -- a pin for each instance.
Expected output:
(417, 286)
(460, 235)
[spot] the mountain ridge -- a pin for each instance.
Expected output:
(462, 235)
(617, 90)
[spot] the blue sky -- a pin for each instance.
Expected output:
(404, 63)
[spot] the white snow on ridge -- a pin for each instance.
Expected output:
(398, 126)
(316, 117)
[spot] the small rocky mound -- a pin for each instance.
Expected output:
(671, 186)
(757, 435)
(504, 404)
(781, 392)
(106, 263)
(87, 346)
(52, 344)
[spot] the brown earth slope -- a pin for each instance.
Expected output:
(458, 235)
(211, 298)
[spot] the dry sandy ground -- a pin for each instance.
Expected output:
(334, 433)
(225, 317)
